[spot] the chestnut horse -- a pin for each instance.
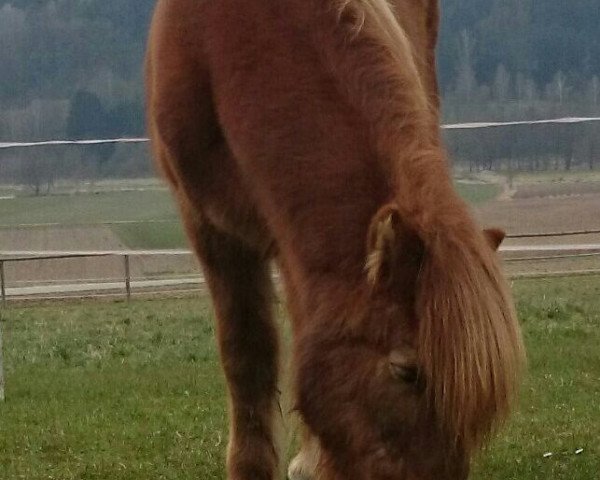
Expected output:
(307, 131)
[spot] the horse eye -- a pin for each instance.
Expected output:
(405, 373)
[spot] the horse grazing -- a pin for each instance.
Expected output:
(306, 131)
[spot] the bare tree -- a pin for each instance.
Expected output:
(38, 173)
(525, 90)
(465, 80)
(501, 88)
(594, 91)
(558, 87)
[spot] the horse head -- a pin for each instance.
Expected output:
(452, 343)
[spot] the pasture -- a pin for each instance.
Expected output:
(139, 217)
(118, 391)
(88, 208)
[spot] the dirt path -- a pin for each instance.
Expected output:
(80, 239)
(546, 214)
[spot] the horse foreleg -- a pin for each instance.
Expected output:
(241, 288)
(238, 276)
(191, 150)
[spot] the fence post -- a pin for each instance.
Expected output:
(2, 397)
(127, 277)
(3, 290)
(2, 285)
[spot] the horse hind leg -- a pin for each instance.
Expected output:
(241, 287)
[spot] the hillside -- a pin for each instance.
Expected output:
(73, 67)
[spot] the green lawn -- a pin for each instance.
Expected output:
(141, 206)
(560, 403)
(476, 193)
(151, 235)
(134, 391)
(90, 208)
(112, 391)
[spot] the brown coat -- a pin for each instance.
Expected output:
(308, 130)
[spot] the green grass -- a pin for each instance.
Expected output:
(151, 235)
(134, 391)
(90, 208)
(112, 391)
(139, 206)
(560, 403)
(476, 193)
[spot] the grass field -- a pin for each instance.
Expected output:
(151, 235)
(555, 176)
(139, 206)
(477, 193)
(134, 391)
(134, 206)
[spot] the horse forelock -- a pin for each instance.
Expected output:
(469, 342)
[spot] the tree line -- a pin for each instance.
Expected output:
(527, 147)
(73, 68)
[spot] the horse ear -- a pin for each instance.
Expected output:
(392, 246)
(494, 237)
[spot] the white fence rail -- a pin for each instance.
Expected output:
(453, 126)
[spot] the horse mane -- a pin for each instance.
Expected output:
(469, 345)
(377, 19)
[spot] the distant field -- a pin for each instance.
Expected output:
(7, 192)
(151, 235)
(557, 176)
(544, 183)
(142, 206)
(88, 208)
(556, 189)
(477, 193)
(115, 391)
(545, 214)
